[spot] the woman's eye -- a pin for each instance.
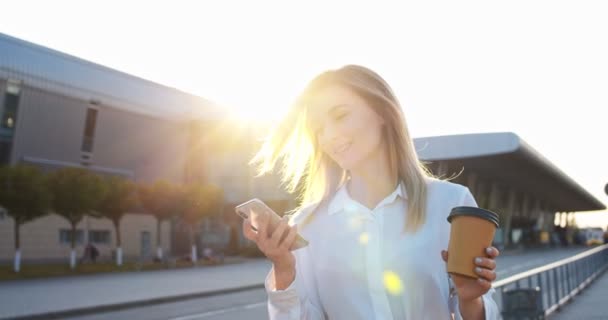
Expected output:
(340, 116)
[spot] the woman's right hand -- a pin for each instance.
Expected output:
(274, 246)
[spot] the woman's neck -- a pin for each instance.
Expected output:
(371, 182)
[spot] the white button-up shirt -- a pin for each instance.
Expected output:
(359, 263)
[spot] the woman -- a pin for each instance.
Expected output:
(374, 218)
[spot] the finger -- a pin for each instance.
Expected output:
(485, 263)
(486, 274)
(261, 223)
(492, 252)
(484, 284)
(278, 232)
(290, 239)
(248, 231)
(444, 255)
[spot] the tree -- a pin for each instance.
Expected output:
(119, 197)
(76, 192)
(160, 200)
(25, 196)
(200, 201)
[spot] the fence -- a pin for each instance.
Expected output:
(539, 292)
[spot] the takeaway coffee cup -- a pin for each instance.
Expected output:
(472, 231)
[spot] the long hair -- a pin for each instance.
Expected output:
(310, 172)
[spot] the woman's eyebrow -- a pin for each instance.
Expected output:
(336, 107)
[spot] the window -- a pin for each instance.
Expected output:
(99, 236)
(11, 104)
(5, 151)
(65, 236)
(8, 119)
(89, 130)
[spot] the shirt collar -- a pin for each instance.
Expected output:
(342, 199)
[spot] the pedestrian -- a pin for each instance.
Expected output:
(374, 217)
(86, 253)
(94, 253)
(208, 254)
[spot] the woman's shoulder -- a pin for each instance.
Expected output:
(442, 196)
(304, 214)
(438, 189)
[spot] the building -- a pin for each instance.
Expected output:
(61, 111)
(508, 176)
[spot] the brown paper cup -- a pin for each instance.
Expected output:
(472, 231)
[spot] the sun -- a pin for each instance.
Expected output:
(257, 109)
(258, 113)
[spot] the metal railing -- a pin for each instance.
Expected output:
(554, 284)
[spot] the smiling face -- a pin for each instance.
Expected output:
(345, 126)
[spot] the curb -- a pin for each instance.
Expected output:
(131, 304)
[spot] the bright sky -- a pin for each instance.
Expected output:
(536, 68)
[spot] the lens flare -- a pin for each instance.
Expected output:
(363, 238)
(392, 283)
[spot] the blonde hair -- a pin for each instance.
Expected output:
(307, 170)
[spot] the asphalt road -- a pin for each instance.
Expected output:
(251, 304)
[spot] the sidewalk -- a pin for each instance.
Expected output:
(55, 298)
(60, 297)
(591, 303)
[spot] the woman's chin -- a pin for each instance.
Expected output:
(346, 165)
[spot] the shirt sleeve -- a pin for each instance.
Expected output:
(489, 305)
(468, 199)
(298, 301)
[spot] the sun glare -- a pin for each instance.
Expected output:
(256, 112)
(248, 104)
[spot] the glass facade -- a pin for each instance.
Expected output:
(8, 120)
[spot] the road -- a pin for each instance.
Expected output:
(251, 304)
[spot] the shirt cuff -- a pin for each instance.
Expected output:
(282, 299)
(489, 306)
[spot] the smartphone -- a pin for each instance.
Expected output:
(257, 206)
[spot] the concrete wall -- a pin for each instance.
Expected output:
(40, 238)
(152, 148)
(48, 126)
(51, 127)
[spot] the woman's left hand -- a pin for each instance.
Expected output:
(469, 289)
